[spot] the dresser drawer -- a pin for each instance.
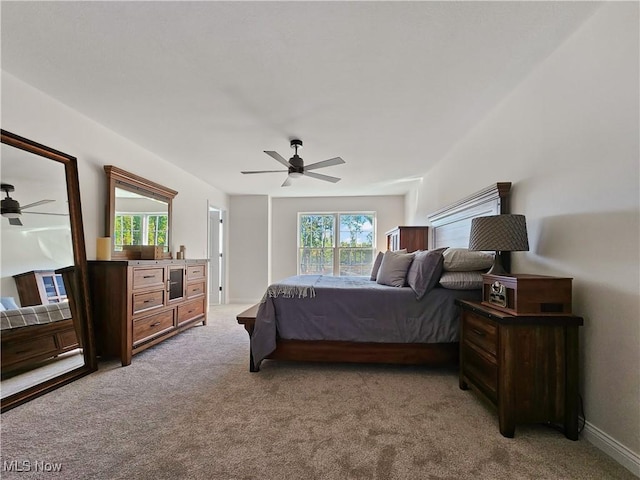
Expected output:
(195, 290)
(480, 332)
(147, 327)
(195, 271)
(148, 277)
(190, 310)
(144, 301)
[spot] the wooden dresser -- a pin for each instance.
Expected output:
(526, 365)
(139, 303)
(411, 238)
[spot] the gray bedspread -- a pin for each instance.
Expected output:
(316, 307)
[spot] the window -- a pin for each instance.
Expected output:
(140, 229)
(336, 243)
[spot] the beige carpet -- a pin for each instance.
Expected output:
(189, 408)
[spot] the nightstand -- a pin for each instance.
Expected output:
(526, 365)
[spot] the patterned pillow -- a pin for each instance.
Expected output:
(425, 270)
(461, 280)
(393, 269)
(465, 260)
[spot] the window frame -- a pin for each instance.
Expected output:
(336, 248)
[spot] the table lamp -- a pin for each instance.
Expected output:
(500, 233)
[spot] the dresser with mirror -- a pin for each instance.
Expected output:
(142, 295)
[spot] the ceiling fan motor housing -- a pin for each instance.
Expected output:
(10, 207)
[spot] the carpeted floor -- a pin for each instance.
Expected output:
(189, 409)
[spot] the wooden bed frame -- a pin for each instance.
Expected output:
(27, 346)
(450, 227)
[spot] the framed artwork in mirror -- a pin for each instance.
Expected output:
(46, 329)
(138, 219)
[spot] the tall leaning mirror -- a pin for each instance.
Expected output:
(46, 332)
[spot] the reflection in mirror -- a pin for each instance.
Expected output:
(43, 325)
(139, 220)
(139, 214)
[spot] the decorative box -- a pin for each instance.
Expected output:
(151, 252)
(522, 293)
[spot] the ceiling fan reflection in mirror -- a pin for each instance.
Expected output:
(295, 166)
(12, 210)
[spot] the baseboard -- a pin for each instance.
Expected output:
(609, 445)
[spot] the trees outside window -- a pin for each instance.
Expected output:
(336, 243)
(140, 229)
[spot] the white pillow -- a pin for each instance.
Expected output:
(465, 260)
(393, 269)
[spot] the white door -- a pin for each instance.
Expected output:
(216, 275)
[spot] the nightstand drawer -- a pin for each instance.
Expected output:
(480, 332)
(482, 370)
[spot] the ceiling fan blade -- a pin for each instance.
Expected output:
(287, 182)
(277, 157)
(35, 204)
(325, 163)
(319, 176)
(15, 221)
(265, 171)
(47, 213)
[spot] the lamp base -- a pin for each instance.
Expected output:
(497, 268)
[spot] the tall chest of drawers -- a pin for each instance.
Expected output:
(139, 303)
(525, 365)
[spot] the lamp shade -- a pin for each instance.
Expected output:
(501, 233)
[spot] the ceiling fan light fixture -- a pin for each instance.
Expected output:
(10, 208)
(295, 174)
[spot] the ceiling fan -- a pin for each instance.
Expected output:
(296, 167)
(12, 210)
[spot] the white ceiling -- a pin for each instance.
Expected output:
(388, 86)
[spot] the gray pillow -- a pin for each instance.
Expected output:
(376, 266)
(461, 280)
(465, 260)
(393, 269)
(425, 271)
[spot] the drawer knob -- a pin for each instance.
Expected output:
(154, 324)
(148, 276)
(480, 333)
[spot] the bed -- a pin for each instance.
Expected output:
(304, 318)
(33, 334)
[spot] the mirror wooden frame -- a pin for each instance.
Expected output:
(76, 279)
(116, 177)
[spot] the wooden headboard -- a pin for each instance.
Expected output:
(451, 225)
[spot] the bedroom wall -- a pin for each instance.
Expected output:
(567, 137)
(260, 224)
(31, 113)
(249, 249)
